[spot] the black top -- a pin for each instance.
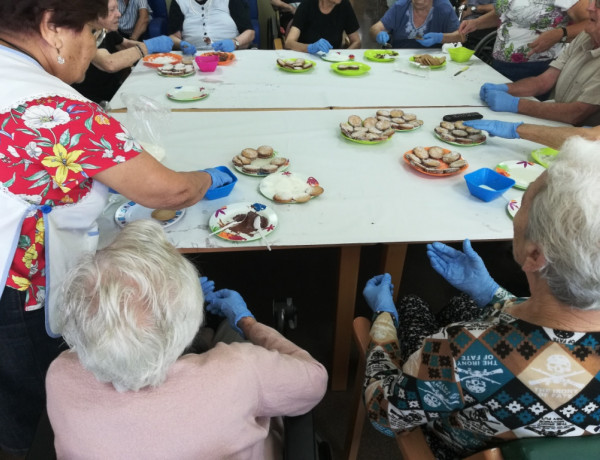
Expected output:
(314, 25)
(238, 9)
(99, 85)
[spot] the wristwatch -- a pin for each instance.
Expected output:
(565, 35)
(473, 8)
(236, 43)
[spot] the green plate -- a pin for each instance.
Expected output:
(362, 68)
(287, 69)
(412, 59)
(189, 74)
(359, 141)
(457, 143)
(371, 55)
(187, 93)
(544, 156)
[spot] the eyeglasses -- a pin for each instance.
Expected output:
(99, 35)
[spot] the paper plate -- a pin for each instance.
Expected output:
(373, 55)
(523, 172)
(335, 56)
(260, 162)
(289, 69)
(412, 60)
(443, 166)
(287, 187)
(544, 156)
(512, 207)
(130, 211)
(183, 75)
(160, 59)
(458, 144)
(187, 93)
(224, 58)
(362, 68)
(360, 141)
(225, 215)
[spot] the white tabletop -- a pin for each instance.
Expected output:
(253, 81)
(371, 195)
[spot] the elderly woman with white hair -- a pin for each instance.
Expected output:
(517, 368)
(125, 390)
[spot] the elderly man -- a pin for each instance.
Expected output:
(134, 19)
(574, 77)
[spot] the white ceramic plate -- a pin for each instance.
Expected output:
(225, 215)
(512, 207)
(187, 93)
(130, 211)
(523, 172)
(287, 187)
(335, 56)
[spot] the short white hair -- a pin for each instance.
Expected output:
(131, 309)
(564, 219)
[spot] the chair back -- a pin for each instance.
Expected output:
(253, 6)
(159, 8)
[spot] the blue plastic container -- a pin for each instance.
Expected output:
(487, 185)
(225, 189)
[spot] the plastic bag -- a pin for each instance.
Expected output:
(147, 121)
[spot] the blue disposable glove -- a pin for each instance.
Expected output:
(187, 48)
(379, 294)
(224, 45)
(491, 87)
(382, 37)
(208, 288)
(320, 45)
(431, 38)
(503, 129)
(160, 44)
(231, 305)
(499, 101)
(464, 270)
(219, 178)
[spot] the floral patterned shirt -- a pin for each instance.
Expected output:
(50, 149)
(521, 22)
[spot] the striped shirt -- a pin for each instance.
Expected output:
(129, 14)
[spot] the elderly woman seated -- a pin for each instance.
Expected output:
(512, 368)
(417, 24)
(125, 390)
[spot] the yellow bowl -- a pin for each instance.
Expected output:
(460, 54)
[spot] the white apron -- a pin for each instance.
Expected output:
(219, 24)
(70, 230)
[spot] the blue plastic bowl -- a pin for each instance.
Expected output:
(487, 185)
(225, 189)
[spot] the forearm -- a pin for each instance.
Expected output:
(141, 24)
(453, 37)
(176, 37)
(354, 41)
(245, 38)
(375, 29)
(573, 113)
(555, 136)
(531, 86)
(113, 62)
(487, 21)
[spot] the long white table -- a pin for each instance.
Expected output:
(253, 81)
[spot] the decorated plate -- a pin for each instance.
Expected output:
(130, 211)
(160, 59)
(287, 187)
(183, 75)
(523, 172)
(260, 162)
(361, 141)
(224, 58)
(381, 55)
(187, 93)
(335, 56)
(512, 207)
(442, 170)
(362, 68)
(412, 60)
(289, 69)
(245, 213)
(544, 156)
(458, 143)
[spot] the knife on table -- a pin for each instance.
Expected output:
(461, 70)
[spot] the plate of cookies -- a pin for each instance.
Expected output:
(130, 211)
(176, 70)
(435, 161)
(287, 187)
(296, 64)
(236, 222)
(456, 133)
(350, 68)
(224, 57)
(427, 60)
(259, 162)
(400, 120)
(381, 55)
(367, 131)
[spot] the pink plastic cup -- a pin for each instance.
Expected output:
(207, 63)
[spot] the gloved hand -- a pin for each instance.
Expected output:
(503, 129)
(431, 38)
(208, 288)
(382, 37)
(464, 270)
(491, 87)
(231, 305)
(187, 48)
(499, 101)
(160, 44)
(320, 45)
(219, 178)
(379, 294)
(224, 45)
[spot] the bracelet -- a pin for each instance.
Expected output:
(139, 49)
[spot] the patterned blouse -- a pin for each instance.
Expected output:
(474, 385)
(50, 149)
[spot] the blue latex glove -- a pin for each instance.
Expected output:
(320, 45)
(382, 37)
(208, 288)
(187, 48)
(219, 178)
(431, 38)
(231, 305)
(491, 87)
(464, 270)
(224, 45)
(503, 129)
(499, 101)
(160, 44)
(379, 294)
